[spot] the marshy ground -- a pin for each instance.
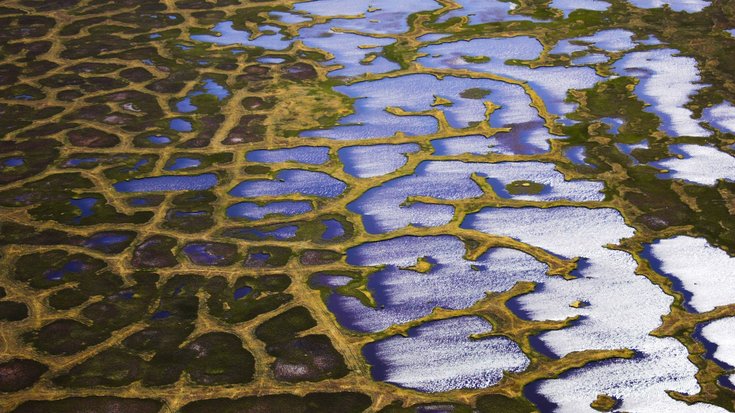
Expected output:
(352, 205)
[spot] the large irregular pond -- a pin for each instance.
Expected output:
(367, 206)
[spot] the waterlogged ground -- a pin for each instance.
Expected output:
(367, 205)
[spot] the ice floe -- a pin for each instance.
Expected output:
(440, 356)
(705, 274)
(666, 83)
(383, 208)
(375, 160)
(403, 295)
(623, 309)
(700, 164)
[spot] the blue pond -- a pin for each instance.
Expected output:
(109, 240)
(253, 211)
(242, 292)
(73, 266)
(183, 163)
(168, 183)
(292, 181)
(227, 35)
(313, 155)
(210, 87)
(334, 229)
(13, 162)
(180, 125)
(85, 206)
(160, 139)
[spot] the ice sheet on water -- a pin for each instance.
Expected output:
(706, 274)
(375, 160)
(383, 209)
(551, 83)
(703, 165)
(616, 317)
(440, 356)
(666, 83)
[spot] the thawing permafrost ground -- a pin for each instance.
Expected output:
(453, 282)
(700, 164)
(706, 274)
(616, 317)
(384, 208)
(440, 356)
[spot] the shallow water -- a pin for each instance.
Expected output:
(666, 83)
(312, 155)
(291, 181)
(253, 211)
(484, 12)
(705, 274)
(568, 6)
(700, 164)
(440, 356)
(403, 295)
(227, 35)
(551, 83)
(416, 93)
(375, 160)
(689, 6)
(168, 183)
(615, 317)
(383, 209)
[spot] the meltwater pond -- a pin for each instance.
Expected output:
(349, 50)
(568, 6)
(253, 211)
(419, 93)
(312, 155)
(689, 6)
(226, 35)
(721, 333)
(368, 16)
(528, 138)
(403, 294)
(703, 273)
(291, 181)
(375, 160)
(484, 12)
(491, 55)
(721, 116)
(168, 183)
(699, 164)
(385, 208)
(666, 83)
(615, 318)
(441, 356)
